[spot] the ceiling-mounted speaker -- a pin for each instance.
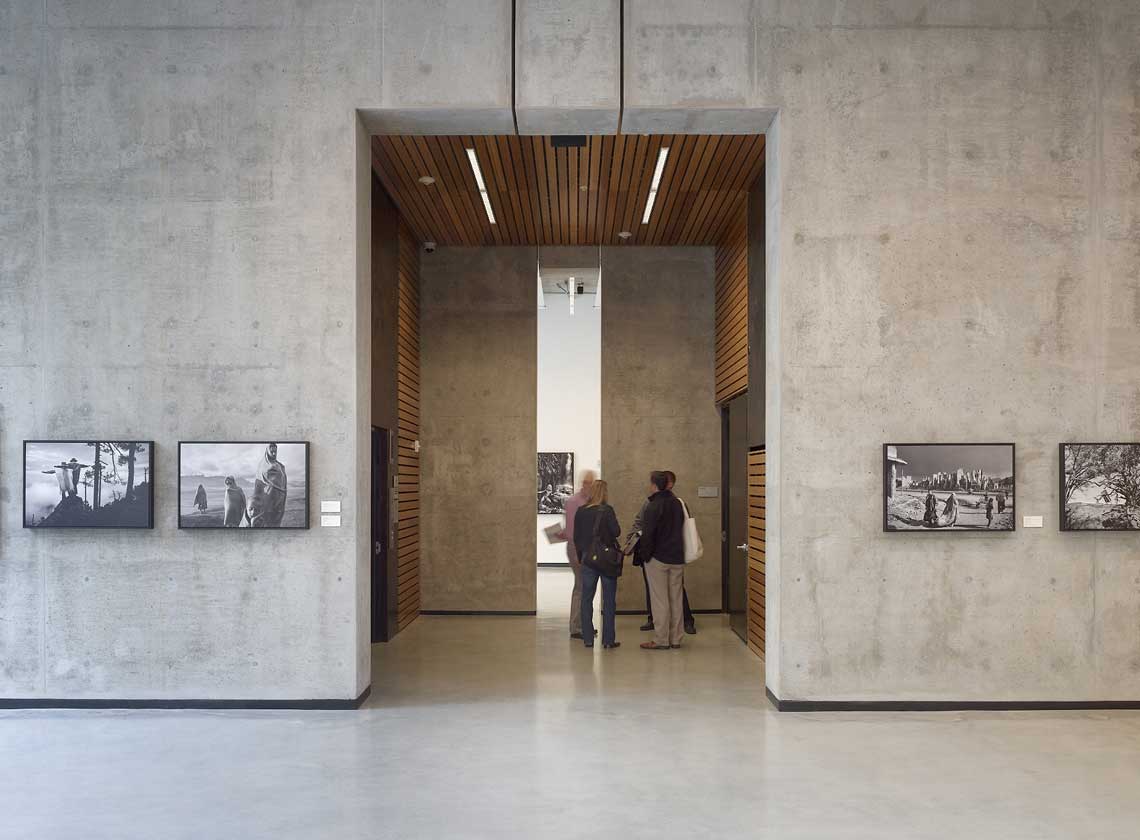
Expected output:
(568, 141)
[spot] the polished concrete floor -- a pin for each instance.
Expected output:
(503, 728)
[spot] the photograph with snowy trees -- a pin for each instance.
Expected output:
(1100, 486)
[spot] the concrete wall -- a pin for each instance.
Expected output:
(184, 254)
(447, 65)
(567, 66)
(657, 396)
(953, 231)
(478, 374)
(959, 226)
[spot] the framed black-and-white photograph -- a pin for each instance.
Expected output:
(938, 487)
(250, 484)
(555, 480)
(88, 484)
(1100, 486)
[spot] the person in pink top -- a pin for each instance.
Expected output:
(570, 508)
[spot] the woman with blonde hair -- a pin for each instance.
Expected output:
(596, 532)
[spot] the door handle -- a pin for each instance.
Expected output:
(377, 548)
(742, 547)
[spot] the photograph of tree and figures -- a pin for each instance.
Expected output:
(1100, 486)
(555, 480)
(948, 487)
(88, 484)
(243, 485)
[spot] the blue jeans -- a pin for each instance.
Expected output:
(590, 578)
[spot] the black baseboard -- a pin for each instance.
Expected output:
(554, 565)
(695, 612)
(950, 705)
(300, 705)
(478, 612)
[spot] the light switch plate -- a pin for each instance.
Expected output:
(1033, 522)
(332, 521)
(330, 507)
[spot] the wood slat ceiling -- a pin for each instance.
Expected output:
(576, 196)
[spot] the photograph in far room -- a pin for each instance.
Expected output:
(1100, 486)
(88, 484)
(243, 485)
(555, 480)
(961, 487)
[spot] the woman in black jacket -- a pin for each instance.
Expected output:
(595, 526)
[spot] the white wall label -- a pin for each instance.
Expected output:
(330, 507)
(708, 492)
(332, 521)
(1033, 522)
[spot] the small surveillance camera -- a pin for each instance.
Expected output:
(581, 288)
(429, 247)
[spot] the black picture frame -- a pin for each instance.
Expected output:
(150, 479)
(886, 478)
(264, 442)
(1063, 483)
(562, 456)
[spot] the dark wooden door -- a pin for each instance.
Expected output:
(383, 571)
(736, 508)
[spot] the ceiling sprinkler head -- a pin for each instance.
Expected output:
(426, 180)
(625, 234)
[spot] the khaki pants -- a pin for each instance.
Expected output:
(576, 595)
(666, 591)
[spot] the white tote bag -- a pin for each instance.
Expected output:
(693, 547)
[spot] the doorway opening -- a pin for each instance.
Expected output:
(500, 236)
(569, 394)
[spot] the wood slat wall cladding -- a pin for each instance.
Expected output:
(757, 491)
(575, 196)
(732, 305)
(408, 428)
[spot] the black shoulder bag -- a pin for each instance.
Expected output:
(604, 558)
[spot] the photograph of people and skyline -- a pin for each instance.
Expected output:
(948, 487)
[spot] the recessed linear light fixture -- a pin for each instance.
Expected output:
(482, 187)
(661, 156)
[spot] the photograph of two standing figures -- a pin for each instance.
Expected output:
(948, 487)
